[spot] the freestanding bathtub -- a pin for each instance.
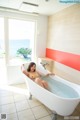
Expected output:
(63, 96)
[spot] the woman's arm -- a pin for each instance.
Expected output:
(24, 70)
(46, 74)
(50, 74)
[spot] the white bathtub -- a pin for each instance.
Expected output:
(63, 97)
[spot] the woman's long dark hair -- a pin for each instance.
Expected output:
(30, 65)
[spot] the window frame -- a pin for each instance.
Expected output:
(6, 35)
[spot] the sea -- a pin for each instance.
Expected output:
(14, 45)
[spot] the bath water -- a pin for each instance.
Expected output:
(61, 89)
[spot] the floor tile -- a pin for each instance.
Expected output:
(40, 111)
(49, 111)
(7, 109)
(22, 105)
(24, 86)
(27, 96)
(45, 118)
(23, 90)
(14, 94)
(6, 100)
(5, 93)
(19, 97)
(34, 102)
(12, 116)
(26, 115)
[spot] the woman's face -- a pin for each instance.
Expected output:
(33, 68)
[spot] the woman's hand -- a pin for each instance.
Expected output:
(50, 74)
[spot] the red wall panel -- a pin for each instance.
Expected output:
(68, 59)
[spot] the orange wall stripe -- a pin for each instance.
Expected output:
(68, 59)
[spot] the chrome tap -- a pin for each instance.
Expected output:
(44, 64)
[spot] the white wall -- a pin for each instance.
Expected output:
(41, 36)
(14, 74)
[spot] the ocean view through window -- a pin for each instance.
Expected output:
(21, 40)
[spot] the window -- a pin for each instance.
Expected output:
(2, 48)
(21, 40)
(16, 44)
(3, 74)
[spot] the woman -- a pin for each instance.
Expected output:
(35, 76)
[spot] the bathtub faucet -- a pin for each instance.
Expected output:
(44, 64)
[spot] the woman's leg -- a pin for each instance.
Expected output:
(42, 83)
(45, 84)
(39, 82)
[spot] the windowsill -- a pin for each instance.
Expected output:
(17, 62)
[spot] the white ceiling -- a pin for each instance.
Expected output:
(46, 7)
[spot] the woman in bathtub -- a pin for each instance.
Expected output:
(34, 75)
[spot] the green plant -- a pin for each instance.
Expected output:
(24, 52)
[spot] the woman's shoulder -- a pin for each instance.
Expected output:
(25, 72)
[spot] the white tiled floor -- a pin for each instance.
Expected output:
(22, 105)
(8, 108)
(12, 116)
(18, 107)
(39, 112)
(26, 115)
(34, 102)
(6, 100)
(19, 97)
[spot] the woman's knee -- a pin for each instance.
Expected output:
(41, 82)
(37, 80)
(45, 83)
